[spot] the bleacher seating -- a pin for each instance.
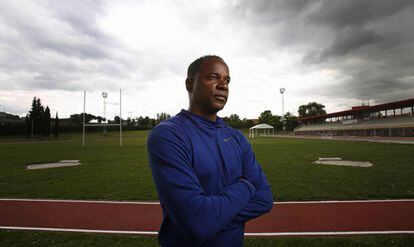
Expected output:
(389, 122)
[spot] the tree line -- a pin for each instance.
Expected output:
(38, 121)
(287, 122)
(140, 123)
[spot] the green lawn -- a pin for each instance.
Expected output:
(114, 173)
(107, 171)
(37, 238)
(287, 163)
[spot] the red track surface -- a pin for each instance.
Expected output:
(288, 218)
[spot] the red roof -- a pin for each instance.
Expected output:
(360, 109)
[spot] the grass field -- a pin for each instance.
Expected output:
(109, 172)
(114, 173)
(40, 239)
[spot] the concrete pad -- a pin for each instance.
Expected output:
(343, 163)
(69, 161)
(51, 165)
(327, 159)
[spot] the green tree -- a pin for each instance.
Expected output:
(34, 116)
(39, 118)
(28, 126)
(100, 119)
(141, 121)
(311, 109)
(56, 125)
(152, 123)
(129, 121)
(266, 117)
(234, 118)
(162, 116)
(269, 118)
(247, 123)
(234, 121)
(78, 118)
(291, 121)
(147, 122)
(46, 122)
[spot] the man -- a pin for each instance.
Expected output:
(206, 174)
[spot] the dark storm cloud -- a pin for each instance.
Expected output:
(343, 13)
(50, 32)
(81, 15)
(271, 11)
(369, 42)
(345, 42)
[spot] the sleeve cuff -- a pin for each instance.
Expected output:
(249, 184)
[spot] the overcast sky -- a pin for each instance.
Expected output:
(340, 53)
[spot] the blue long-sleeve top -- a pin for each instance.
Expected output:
(197, 165)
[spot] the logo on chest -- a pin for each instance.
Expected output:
(227, 139)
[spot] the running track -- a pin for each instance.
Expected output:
(286, 218)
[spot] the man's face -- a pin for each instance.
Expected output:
(209, 89)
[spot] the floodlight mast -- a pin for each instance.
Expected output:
(83, 126)
(282, 92)
(104, 95)
(120, 117)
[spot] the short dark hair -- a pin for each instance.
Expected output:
(194, 67)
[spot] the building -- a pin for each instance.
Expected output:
(388, 119)
(10, 119)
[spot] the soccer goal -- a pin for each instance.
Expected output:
(104, 123)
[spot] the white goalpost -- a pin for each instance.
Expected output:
(106, 124)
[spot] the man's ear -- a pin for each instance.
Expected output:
(189, 85)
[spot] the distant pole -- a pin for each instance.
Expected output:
(83, 128)
(104, 95)
(120, 117)
(32, 129)
(282, 92)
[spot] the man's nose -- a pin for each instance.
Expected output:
(223, 84)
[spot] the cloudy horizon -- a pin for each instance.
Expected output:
(340, 53)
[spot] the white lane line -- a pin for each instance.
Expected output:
(263, 234)
(325, 233)
(346, 201)
(79, 201)
(76, 230)
(157, 203)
